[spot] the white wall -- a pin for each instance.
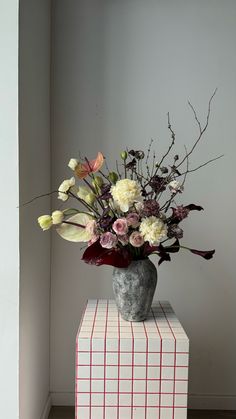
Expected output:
(118, 67)
(9, 201)
(34, 120)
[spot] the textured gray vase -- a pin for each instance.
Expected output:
(134, 289)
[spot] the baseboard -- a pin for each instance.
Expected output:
(47, 408)
(63, 398)
(195, 401)
(212, 401)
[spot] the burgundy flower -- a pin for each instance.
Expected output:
(158, 183)
(150, 207)
(180, 212)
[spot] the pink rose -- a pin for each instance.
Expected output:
(120, 226)
(136, 239)
(108, 240)
(124, 240)
(91, 227)
(133, 219)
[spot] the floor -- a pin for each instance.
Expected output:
(68, 413)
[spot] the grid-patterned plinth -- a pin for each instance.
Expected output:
(131, 370)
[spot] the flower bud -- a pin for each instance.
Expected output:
(97, 181)
(73, 163)
(57, 217)
(124, 155)
(90, 198)
(113, 177)
(45, 222)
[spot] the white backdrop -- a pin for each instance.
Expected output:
(9, 214)
(34, 162)
(118, 68)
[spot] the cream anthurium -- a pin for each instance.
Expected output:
(74, 233)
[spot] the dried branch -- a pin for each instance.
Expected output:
(202, 130)
(148, 156)
(195, 116)
(201, 165)
(37, 197)
(171, 144)
(187, 166)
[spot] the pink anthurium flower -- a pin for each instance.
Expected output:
(92, 166)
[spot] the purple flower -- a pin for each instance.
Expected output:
(133, 219)
(108, 240)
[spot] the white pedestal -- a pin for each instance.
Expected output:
(129, 370)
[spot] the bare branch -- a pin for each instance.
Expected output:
(195, 116)
(187, 166)
(36, 197)
(201, 165)
(202, 130)
(171, 144)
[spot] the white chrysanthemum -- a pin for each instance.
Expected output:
(175, 186)
(153, 230)
(64, 188)
(125, 192)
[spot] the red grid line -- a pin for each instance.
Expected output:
(77, 357)
(136, 379)
(173, 414)
(133, 406)
(136, 366)
(129, 392)
(146, 369)
(91, 347)
(118, 383)
(132, 383)
(105, 347)
(159, 410)
(137, 352)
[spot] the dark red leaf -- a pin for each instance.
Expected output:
(173, 248)
(193, 207)
(98, 255)
(164, 257)
(206, 254)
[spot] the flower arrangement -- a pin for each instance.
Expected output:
(130, 213)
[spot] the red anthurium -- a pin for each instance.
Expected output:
(92, 166)
(98, 255)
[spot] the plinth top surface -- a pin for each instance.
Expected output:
(101, 320)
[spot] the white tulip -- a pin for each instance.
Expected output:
(57, 217)
(73, 163)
